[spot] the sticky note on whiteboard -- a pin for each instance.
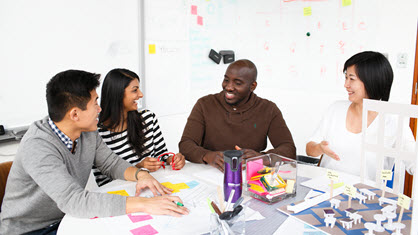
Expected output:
(346, 3)
(151, 48)
(404, 201)
(307, 11)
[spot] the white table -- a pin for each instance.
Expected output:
(210, 175)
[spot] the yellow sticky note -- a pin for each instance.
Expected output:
(290, 185)
(337, 185)
(346, 3)
(257, 188)
(151, 48)
(333, 175)
(119, 192)
(350, 190)
(386, 175)
(176, 187)
(404, 201)
(307, 11)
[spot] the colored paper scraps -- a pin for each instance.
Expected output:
(199, 20)
(151, 48)
(346, 3)
(175, 187)
(144, 230)
(119, 192)
(192, 184)
(307, 11)
(139, 218)
(336, 185)
(194, 10)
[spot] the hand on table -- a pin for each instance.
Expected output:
(145, 180)
(247, 153)
(215, 159)
(324, 146)
(160, 205)
(179, 161)
(152, 164)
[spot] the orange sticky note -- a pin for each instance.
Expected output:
(151, 48)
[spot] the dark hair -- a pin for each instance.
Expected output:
(374, 71)
(248, 64)
(113, 92)
(69, 89)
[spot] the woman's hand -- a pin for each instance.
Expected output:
(152, 164)
(161, 205)
(179, 161)
(145, 180)
(325, 149)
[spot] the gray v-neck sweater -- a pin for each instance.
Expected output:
(47, 181)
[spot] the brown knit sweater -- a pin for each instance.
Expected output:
(214, 125)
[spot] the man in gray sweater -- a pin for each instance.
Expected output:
(54, 160)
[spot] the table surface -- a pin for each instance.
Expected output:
(273, 218)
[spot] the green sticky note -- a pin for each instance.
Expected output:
(346, 3)
(210, 206)
(337, 185)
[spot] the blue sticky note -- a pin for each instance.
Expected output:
(192, 184)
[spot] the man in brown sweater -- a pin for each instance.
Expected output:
(233, 119)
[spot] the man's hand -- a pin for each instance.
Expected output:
(161, 205)
(215, 159)
(145, 180)
(324, 146)
(152, 164)
(179, 161)
(247, 153)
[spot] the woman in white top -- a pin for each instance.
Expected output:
(338, 137)
(133, 135)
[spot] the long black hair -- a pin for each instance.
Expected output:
(374, 71)
(113, 92)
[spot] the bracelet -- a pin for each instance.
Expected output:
(138, 170)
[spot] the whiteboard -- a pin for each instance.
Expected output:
(298, 46)
(41, 38)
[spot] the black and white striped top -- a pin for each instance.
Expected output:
(118, 143)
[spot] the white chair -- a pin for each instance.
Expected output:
(398, 152)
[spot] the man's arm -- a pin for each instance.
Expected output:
(280, 136)
(191, 141)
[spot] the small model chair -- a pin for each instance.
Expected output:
(399, 152)
(4, 173)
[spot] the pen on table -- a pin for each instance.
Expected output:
(178, 203)
(231, 195)
(215, 207)
(238, 202)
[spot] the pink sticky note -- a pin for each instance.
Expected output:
(144, 230)
(194, 10)
(199, 20)
(139, 218)
(253, 167)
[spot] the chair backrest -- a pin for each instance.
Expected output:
(403, 150)
(4, 173)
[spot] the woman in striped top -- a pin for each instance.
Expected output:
(127, 131)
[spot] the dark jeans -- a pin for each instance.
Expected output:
(49, 230)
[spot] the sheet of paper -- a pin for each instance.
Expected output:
(297, 227)
(321, 183)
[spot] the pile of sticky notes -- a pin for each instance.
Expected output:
(264, 183)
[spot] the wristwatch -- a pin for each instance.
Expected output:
(140, 169)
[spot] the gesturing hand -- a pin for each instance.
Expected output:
(215, 159)
(324, 145)
(145, 180)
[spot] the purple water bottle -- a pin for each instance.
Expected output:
(233, 174)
